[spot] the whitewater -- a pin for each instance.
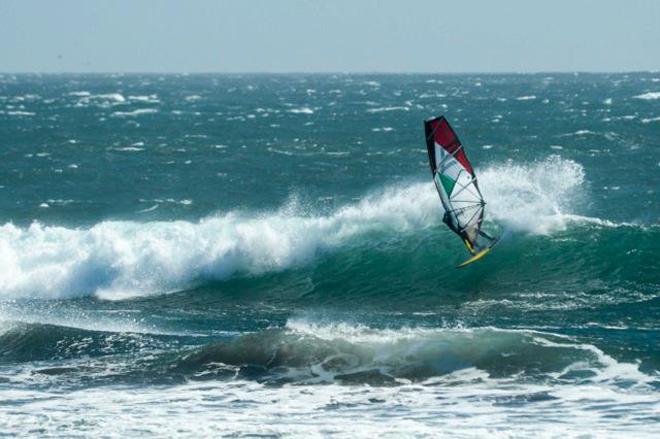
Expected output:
(119, 259)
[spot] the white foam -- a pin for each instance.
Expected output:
(580, 133)
(393, 108)
(652, 95)
(463, 405)
(609, 369)
(149, 209)
(27, 97)
(134, 113)
(117, 97)
(599, 221)
(302, 110)
(153, 99)
(128, 149)
(651, 119)
(102, 100)
(60, 201)
(526, 98)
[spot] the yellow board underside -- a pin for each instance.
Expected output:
(476, 257)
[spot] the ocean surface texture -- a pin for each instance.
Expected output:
(264, 255)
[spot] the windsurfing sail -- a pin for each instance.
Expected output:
(457, 185)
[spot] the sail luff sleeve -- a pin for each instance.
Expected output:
(430, 144)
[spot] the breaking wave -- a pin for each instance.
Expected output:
(119, 259)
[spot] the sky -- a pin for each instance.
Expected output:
(329, 36)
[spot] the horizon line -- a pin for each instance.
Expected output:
(329, 72)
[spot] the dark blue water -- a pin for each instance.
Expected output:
(264, 254)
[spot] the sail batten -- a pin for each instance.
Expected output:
(455, 182)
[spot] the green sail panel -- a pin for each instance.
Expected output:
(447, 183)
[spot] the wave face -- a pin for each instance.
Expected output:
(264, 255)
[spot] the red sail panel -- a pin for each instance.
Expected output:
(445, 136)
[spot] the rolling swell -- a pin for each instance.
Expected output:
(315, 353)
(290, 354)
(26, 342)
(533, 203)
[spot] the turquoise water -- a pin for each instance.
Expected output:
(264, 255)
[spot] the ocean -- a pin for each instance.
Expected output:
(264, 256)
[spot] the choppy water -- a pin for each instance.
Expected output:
(264, 255)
